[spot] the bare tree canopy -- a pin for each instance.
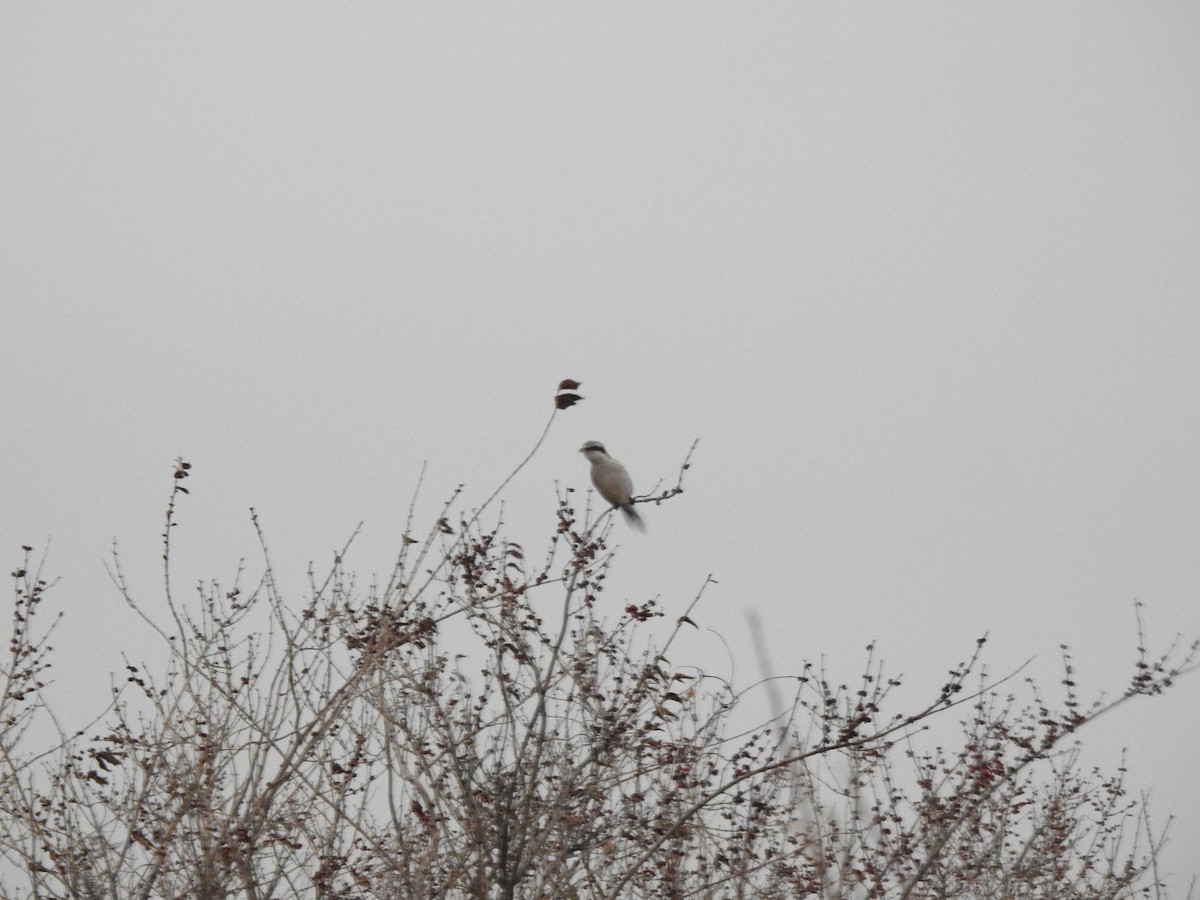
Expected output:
(488, 726)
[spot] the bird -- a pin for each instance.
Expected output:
(612, 481)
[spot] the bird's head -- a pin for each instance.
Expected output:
(593, 448)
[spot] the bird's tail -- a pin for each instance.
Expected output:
(632, 517)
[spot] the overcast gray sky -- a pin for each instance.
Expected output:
(923, 279)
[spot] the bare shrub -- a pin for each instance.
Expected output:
(484, 725)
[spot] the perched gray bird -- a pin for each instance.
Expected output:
(612, 481)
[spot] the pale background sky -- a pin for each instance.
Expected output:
(924, 280)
